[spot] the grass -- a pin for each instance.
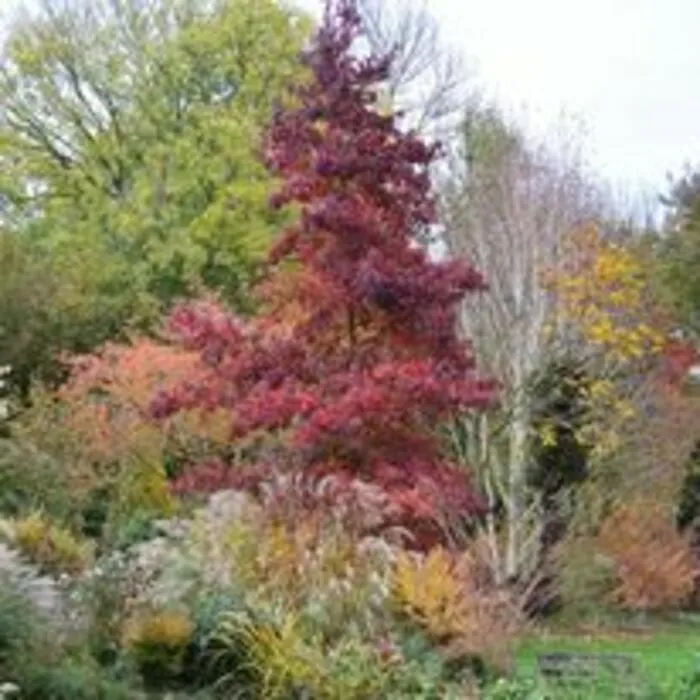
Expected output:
(666, 650)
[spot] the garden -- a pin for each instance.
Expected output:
(302, 403)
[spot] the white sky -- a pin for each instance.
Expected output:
(627, 68)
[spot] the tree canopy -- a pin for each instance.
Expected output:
(356, 356)
(128, 142)
(678, 250)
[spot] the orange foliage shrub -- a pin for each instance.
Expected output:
(109, 394)
(654, 564)
(98, 431)
(107, 399)
(450, 595)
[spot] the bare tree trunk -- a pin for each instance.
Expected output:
(507, 212)
(515, 504)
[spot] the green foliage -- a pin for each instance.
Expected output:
(488, 139)
(39, 651)
(138, 528)
(518, 688)
(688, 686)
(73, 679)
(601, 686)
(688, 514)
(32, 479)
(27, 325)
(128, 136)
(663, 650)
(534, 688)
(104, 600)
(16, 625)
(280, 660)
(678, 250)
(558, 412)
(283, 664)
(584, 577)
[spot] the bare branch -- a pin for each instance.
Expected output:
(427, 80)
(507, 208)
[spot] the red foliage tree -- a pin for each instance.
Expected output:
(354, 359)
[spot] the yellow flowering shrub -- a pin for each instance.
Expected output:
(430, 593)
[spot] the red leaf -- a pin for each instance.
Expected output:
(354, 358)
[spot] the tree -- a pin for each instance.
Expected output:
(426, 79)
(606, 312)
(95, 429)
(508, 207)
(128, 133)
(26, 321)
(567, 325)
(608, 317)
(355, 358)
(678, 250)
(559, 458)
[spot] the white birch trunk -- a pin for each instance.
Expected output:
(508, 218)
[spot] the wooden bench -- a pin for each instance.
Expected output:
(579, 669)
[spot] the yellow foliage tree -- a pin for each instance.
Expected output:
(603, 292)
(606, 317)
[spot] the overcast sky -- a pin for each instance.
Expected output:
(628, 68)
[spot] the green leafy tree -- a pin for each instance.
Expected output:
(678, 250)
(26, 322)
(128, 138)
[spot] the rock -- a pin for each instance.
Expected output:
(8, 690)
(25, 579)
(230, 505)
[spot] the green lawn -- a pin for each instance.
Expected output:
(666, 653)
